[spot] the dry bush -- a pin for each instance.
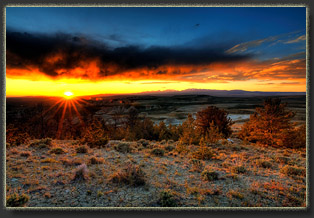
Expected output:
(80, 173)
(203, 152)
(15, 200)
(197, 165)
(209, 175)
(131, 175)
(167, 199)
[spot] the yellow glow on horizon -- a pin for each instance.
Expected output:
(23, 87)
(68, 94)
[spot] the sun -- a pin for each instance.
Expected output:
(68, 95)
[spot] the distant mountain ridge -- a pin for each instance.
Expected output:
(219, 93)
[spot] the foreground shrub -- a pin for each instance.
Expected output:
(131, 175)
(15, 200)
(80, 173)
(167, 199)
(123, 147)
(209, 175)
(158, 152)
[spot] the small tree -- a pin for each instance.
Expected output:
(213, 116)
(189, 133)
(269, 124)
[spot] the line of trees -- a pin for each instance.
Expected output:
(270, 125)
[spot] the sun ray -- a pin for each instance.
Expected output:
(60, 126)
(77, 113)
(56, 111)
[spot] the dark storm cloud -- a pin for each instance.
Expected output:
(55, 55)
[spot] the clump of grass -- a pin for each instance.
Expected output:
(14, 151)
(167, 199)
(82, 149)
(236, 194)
(80, 173)
(264, 163)
(99, 194)
(25, 154)
(57, 150)
(282, 159)
(49, 160)
(232, 176)
(123, 147)
(239, 169)
(143, 142)
(15, 200)
(203, 153)
(42, 143)
(293, 171)
(209, 175)
(130, 175)
(94, 160)
(163, 142)
(158, 152)
(197, 165)
(169, 148)
(98, 143)
(182, 147)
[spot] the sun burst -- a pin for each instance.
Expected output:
(68, 95)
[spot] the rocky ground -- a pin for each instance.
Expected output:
(154, 174)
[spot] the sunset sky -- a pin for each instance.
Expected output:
(108, 50)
